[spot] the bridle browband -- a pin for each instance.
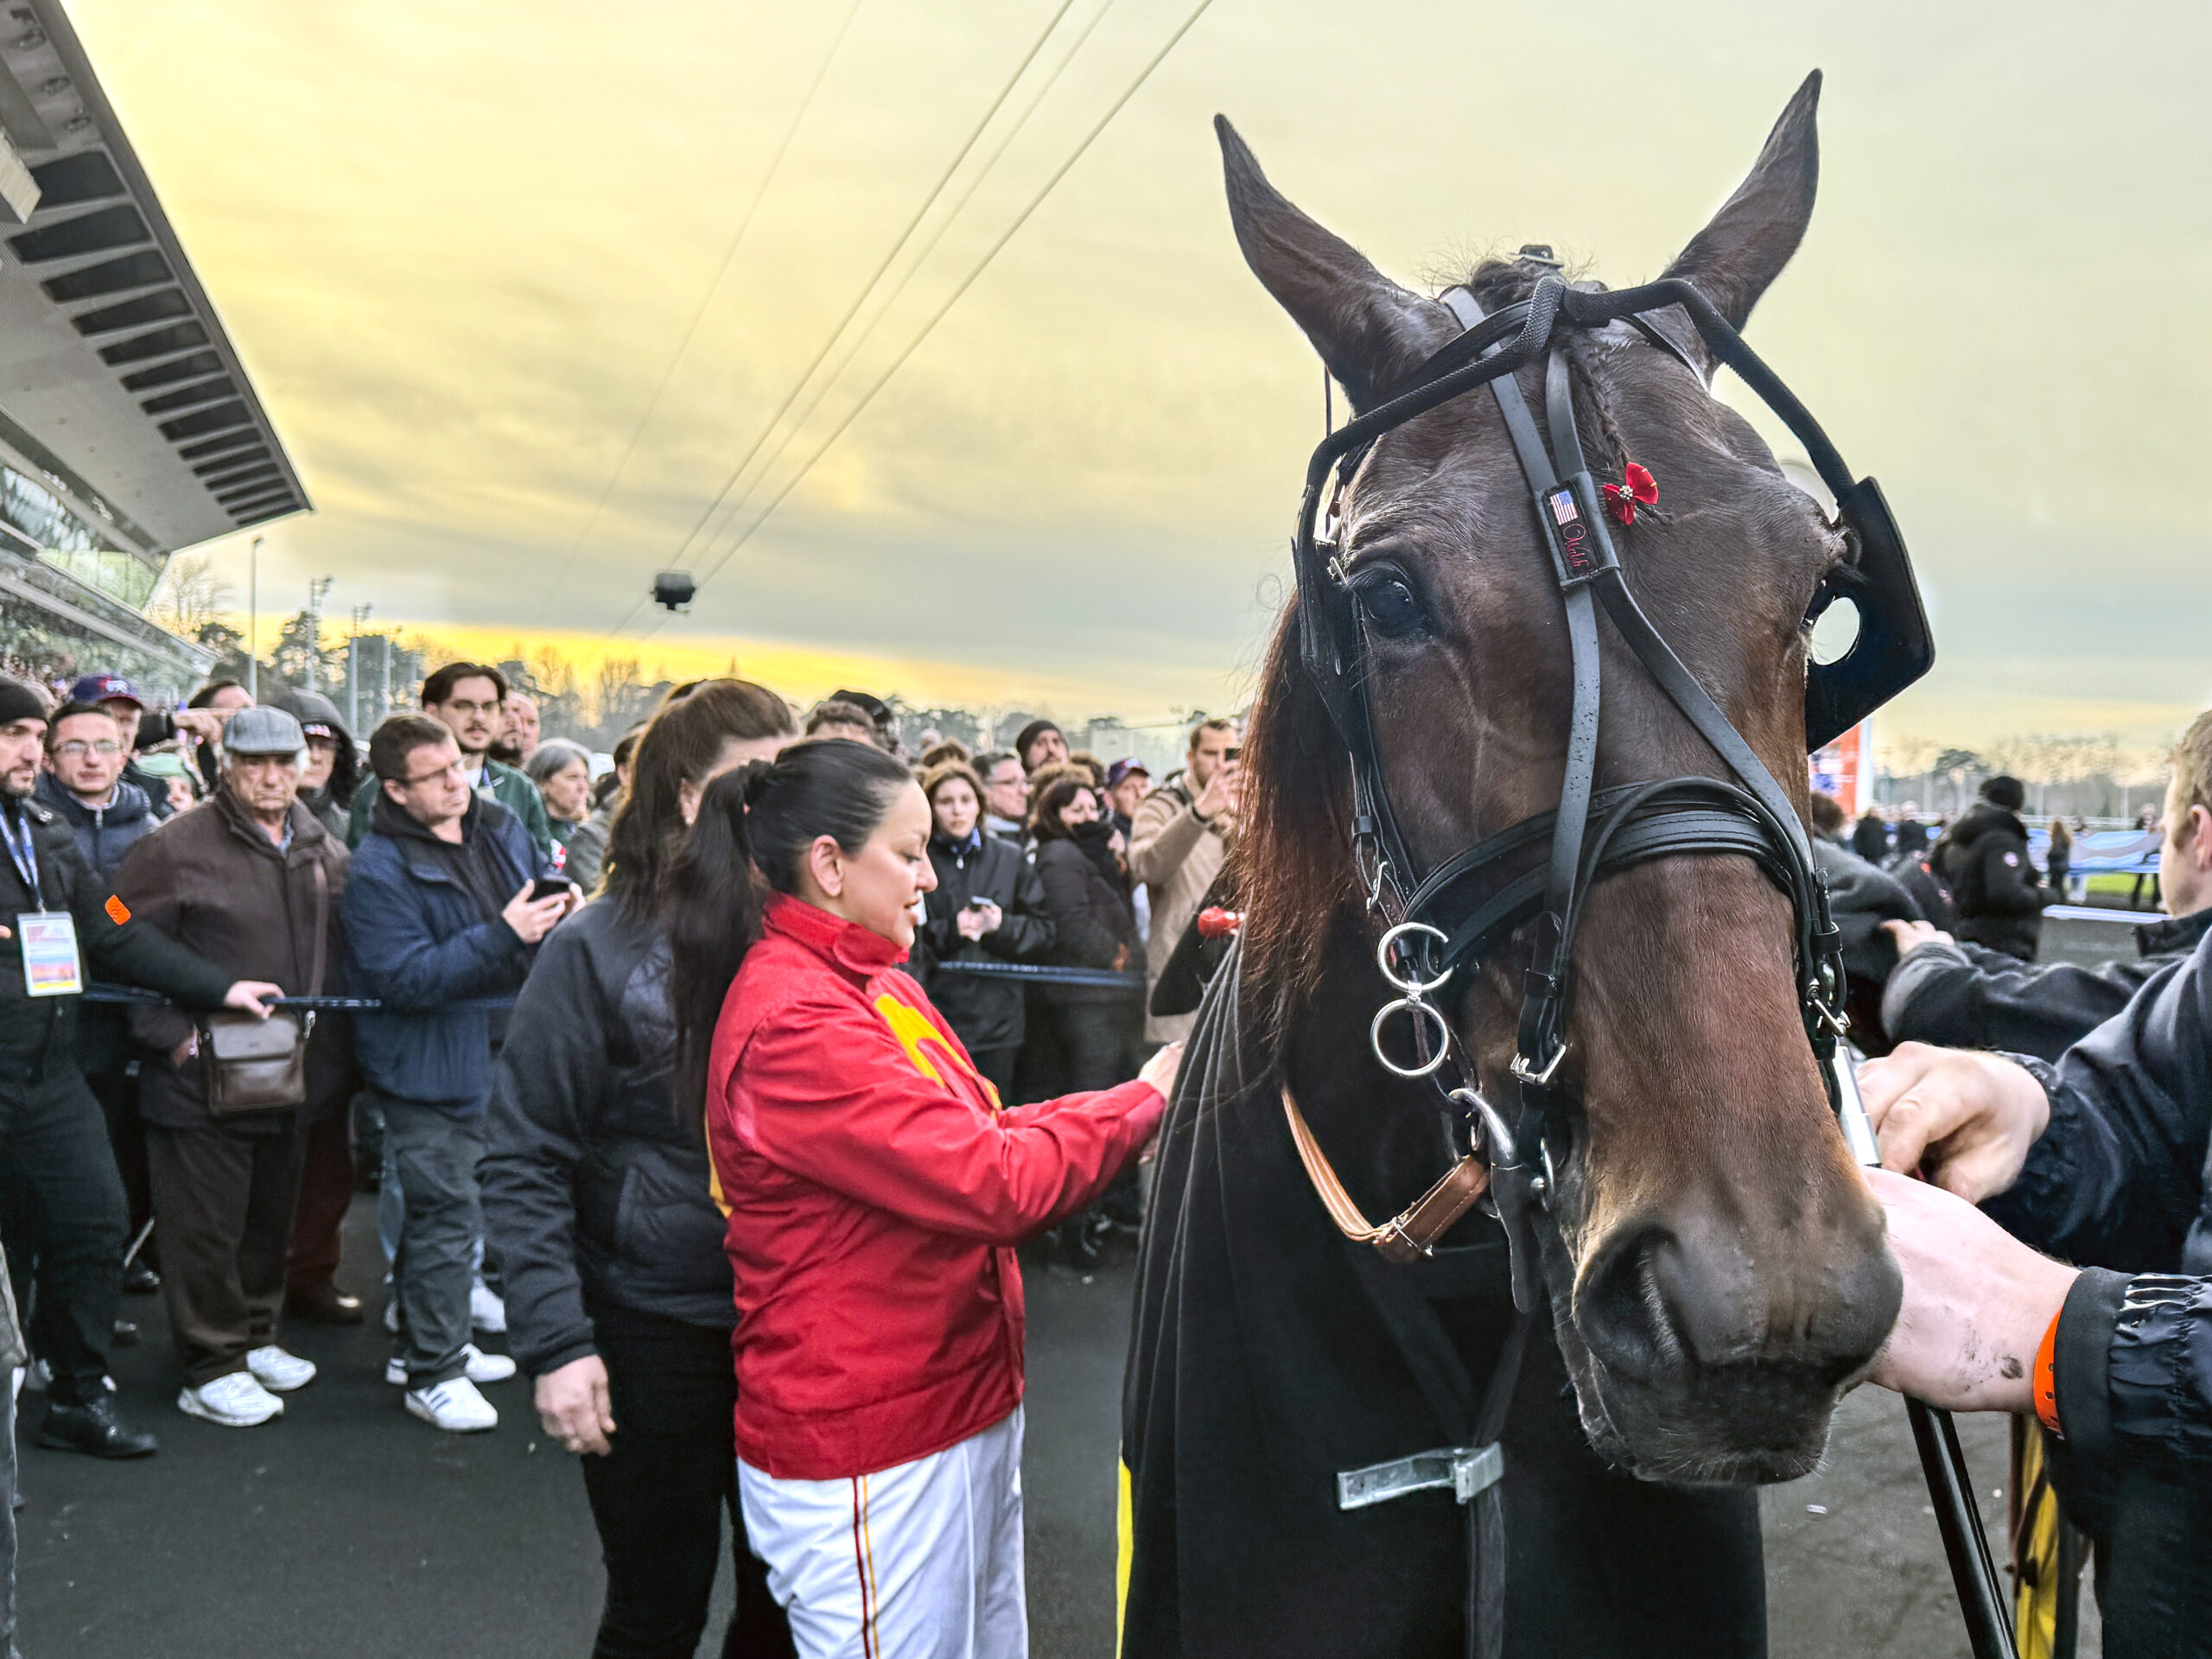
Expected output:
(1541, 869)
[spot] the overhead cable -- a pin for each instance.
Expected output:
(706, 298)
(966, 282)
(868, 288)
(792, 430)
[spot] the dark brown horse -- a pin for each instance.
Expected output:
(1714, 1264)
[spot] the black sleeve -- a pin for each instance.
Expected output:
(2117, 1179)
(551, 1079)
(1963, 996)
(128, 951)
(1025, 932)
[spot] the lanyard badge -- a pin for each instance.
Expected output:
(51, 964)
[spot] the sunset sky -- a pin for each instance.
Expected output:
(459, 245)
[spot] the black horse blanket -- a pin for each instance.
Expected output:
(1269, 1353)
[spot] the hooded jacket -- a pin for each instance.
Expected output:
(211, 879)
(1984, 857)
(417, 937)
(332, 805)
(103, 834)
(875, 1192)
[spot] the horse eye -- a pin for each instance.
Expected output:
(1391, 606)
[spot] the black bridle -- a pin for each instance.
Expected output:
(1542, 869)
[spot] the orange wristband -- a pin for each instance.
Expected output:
(2046, 1380)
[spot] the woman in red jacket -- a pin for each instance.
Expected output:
(875, 1192)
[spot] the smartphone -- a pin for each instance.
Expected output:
(1232, 752)
(974, 904)
(549, 886)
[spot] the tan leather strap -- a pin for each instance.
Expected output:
(1412, 1232)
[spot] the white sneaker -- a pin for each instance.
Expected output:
(486, 1311)
(453, 1406)
(236, 1400)
(278, 1371)
(482, 1367)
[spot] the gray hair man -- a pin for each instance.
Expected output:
(253, 883)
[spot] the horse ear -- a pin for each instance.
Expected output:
(1751, 237)
(1371, 332)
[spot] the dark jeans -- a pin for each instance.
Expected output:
(64, 1194)
(326, 1193)
(435, 1152)
(7, 1513)
(224, 1198)
(117, 1094)
(659, 1497)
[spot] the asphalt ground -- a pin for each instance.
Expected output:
(345, 1529)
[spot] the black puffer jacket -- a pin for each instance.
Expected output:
(1984, 857)
(1964, 996)
(595, 1186)
(984, 1013)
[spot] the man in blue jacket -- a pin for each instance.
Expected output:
(2100, 1159)
(439, 923)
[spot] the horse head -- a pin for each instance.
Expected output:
(1715, 1264)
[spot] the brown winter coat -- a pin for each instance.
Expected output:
(1176, 856)
(211, 878)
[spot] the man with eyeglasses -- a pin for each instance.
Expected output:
(469, 700)
(446, 901)
(85, 755)
(84, 787)
(61, 926)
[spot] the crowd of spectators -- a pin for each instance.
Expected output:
(430, 961)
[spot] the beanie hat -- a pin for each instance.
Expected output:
(19, 701)
(1030, 733)
(2006, 792)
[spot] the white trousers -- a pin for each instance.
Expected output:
(922, 1561)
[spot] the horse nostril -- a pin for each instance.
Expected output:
(1621, 1309)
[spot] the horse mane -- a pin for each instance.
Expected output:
(1292, 859)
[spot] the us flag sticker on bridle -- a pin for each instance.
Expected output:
(1573, 535)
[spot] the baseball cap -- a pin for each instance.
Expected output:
(262, 730)
(1122, 768)
(106, 687)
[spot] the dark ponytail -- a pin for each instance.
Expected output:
(755, 828)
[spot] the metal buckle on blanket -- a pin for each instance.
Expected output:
(1468, 1470)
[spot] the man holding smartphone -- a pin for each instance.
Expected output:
(447, 899)
(1179, 839)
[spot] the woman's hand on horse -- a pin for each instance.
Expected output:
(1967, 1118)
(573, 1406)
(1976, 1302)
(1161, 1070)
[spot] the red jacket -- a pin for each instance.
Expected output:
(875, 1191)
